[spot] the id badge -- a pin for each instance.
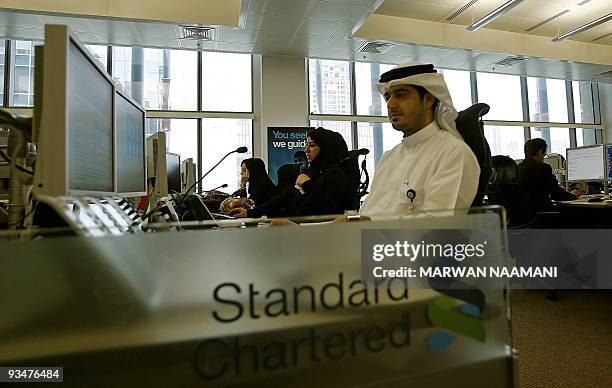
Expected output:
(410, 193)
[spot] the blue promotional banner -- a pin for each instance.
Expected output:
(283, 143)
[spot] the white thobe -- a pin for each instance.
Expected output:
(441, 170)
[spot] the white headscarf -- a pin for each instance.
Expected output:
(445, 113)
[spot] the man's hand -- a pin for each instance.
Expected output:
(345, 219)
(281, 222)
(238, 212)
(340, 220)
(301, 179)
(577, 192)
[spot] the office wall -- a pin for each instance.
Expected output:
(283, 101)
(605, 102)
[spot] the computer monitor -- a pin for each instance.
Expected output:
(555, 161)
(188, 175)
(90, 135)
(609, 155)
(76, 149)
(156, 163)
(130, 147)
(586, 163)
(173, 169)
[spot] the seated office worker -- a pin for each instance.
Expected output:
(326, 187)
(537, 177)
(260, 186)
(432, 168)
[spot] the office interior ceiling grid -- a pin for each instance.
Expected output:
(324, 29)
(522, 18)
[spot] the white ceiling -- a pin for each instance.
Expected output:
(526, 15)
(324, 29)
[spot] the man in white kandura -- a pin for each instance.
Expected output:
(432, 168)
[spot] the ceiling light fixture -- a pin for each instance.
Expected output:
(583, 28)
(494, 15)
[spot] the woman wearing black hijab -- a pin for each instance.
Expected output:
(261, 188)
(327, 187)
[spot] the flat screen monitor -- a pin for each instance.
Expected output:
(586, 164)
(130, 148)
(90, 134)
(173, 170)
(76, 149)
(609, 153)
(90, 125)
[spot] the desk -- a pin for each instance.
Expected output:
(580, 203)
(583, 214)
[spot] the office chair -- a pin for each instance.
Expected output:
(470, 126)
(504, 190)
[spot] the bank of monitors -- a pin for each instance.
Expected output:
(91, 140)
(588, 163)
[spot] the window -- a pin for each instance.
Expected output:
(460, 88)
(166, 80)
(547, 100)
(369, 100)
(122, 68)
(378, 138)
(504, 140)
(329, 87)
(558, 139)
(343, 127)
(181, 136)
(503, 94)
(22, 73)
(226, 82)
(587, 136)
(584, 109)
(99, 53)
(219, 136)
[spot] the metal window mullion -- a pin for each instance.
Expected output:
(8, 80)
(309, 111)
(525, 105)
(7, 73)
(200, 127)
(474, 87)
(353, 92)
(596, 105)
(109, 60)
(571, 114)
(200, 121)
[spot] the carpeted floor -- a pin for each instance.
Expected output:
(566, 343)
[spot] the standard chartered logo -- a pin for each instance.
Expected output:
(464, 321)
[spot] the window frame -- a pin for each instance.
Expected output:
(526, 123)
(198, 114)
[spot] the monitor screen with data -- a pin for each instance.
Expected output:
(130, 138)
(587, 163)
(609, 147)
(90, 134)
(90, 125)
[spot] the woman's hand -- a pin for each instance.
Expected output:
(301, 179)
(243, 180)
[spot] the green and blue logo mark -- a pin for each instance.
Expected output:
(462, 321)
